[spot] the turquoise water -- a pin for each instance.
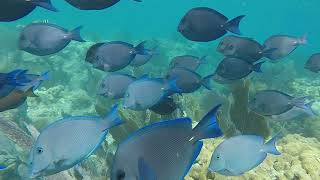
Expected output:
(73, 84)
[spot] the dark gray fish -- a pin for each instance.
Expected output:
(43, 39)
(242, 47)
(204, 24)
(273, 102)
(115, 85)
(168, 148)
(165, 106)
(113, 56)
(313, 64)
(283, 45)
(187, 61)
(11, 10)
(94, 4)
(187, 80)
(142, 59)
(234, 68)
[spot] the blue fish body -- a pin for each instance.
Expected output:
(67, 142)
(239, 154)
(169, 148)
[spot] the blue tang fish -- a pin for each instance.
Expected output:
(239, 154)
(167, 149)
(147, 92)
(44, 39)
(114, 55)
(114, 85)
(67, 142)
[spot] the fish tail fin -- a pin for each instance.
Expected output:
(206, 81)
(173, 86)
(257, 67)
(145, 171)
(270, 146)
(112, 118)
(75, 34)
(45, 76)
(208, 127)
(233, 25)
(309, 107)
(46, 5)
(139, 49)
(303, 39)
(155, 51)
(300, 102)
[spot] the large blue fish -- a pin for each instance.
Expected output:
(239, 154)
(44, 39)
(164, 150)
(67, 142)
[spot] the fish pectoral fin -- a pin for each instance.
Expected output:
(60, 162)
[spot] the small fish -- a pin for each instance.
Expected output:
(313, 64)
(141, 59)
(168, 148)
(204, 24)
(166, 106)
(239, 154)
(273, 102)
(234, 68)
(187, 80)
(115, 85)
(94, 4)
(11, 10)
(44, 39)
(113, 56)
(35, 81)
(283, 45)
(147, 92)
(67, 142)
(243, 48)
(187, 61)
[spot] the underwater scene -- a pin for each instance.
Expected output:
(159, 90)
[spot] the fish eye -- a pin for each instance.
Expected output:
(127, 95)
(39, 150)
(231, 47)
(218, 157)
(121, 175)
